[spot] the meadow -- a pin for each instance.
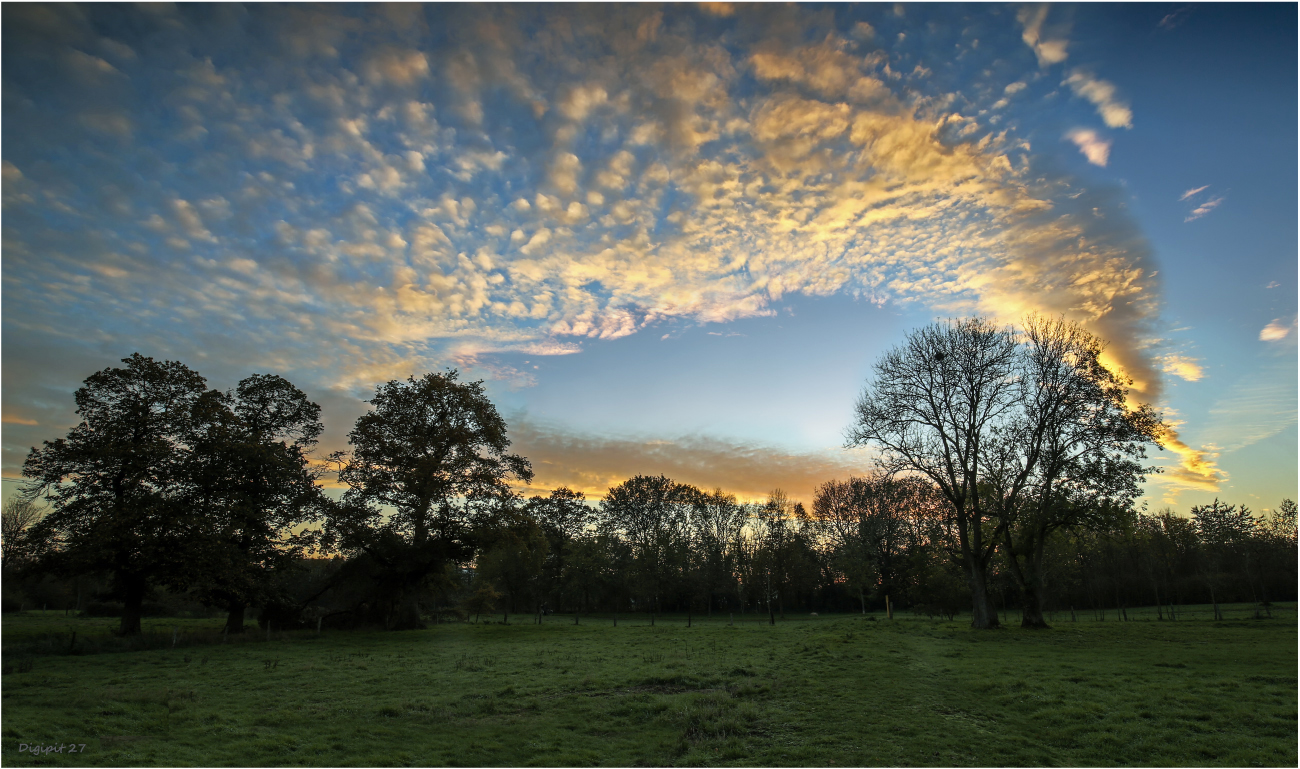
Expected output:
(846, 690)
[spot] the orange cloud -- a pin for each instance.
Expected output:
(1196, 468)
(592, 464)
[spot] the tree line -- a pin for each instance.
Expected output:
(1008, 464)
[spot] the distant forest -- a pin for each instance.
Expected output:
(1009, 462)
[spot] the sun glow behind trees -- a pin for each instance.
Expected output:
(1008, 457)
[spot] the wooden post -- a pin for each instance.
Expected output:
(174, 631)
(319, 620)
(889, 608)
(731, 619)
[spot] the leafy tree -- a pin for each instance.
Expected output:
(774, 528)
(564, 516)
(113, 482)
(932, 408)
(716, 520)
(513, 558)
(1276, 559)
(873, 523)
(249, 472)
(1224, 531)
(432, 451)
(482, 600)
(650, 512)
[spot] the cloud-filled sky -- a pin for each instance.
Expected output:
(670, 238)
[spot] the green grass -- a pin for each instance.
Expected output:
(824, 691)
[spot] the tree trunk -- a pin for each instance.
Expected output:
(862, 597)
(133, 601)
(1029, 576)
(235, 616)
(407, 615)
(1032, 609)
(982, 614)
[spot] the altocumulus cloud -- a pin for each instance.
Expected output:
(352, 194)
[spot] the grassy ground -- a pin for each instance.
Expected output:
(822, 691)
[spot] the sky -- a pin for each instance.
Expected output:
(669, 239)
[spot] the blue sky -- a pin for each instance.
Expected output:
(670, 238)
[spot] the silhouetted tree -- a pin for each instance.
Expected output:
(513, 550)
(650, 512)
(932, 408)
(16, 520)
(113, 482)
(1068, 452)
(873, 523)
(715, 523)
(564, 517)
(248, 472)
(432, 450)
(1224, 531)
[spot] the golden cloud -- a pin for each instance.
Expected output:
(593, 464)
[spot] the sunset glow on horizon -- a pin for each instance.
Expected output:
(670, 239)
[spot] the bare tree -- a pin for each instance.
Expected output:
(1069, 453)
(932, 408)
(17, 518)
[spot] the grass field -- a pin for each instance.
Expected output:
(846, 690)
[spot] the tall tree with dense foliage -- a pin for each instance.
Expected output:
(651, 514)
(432, 450)
(563, 516)
(716, 520)
(249, 474)
(114, 481)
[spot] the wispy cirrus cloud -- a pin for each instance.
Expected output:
(1175, 19)
(1104, 95)
(1050, 47)
(1204, 208)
